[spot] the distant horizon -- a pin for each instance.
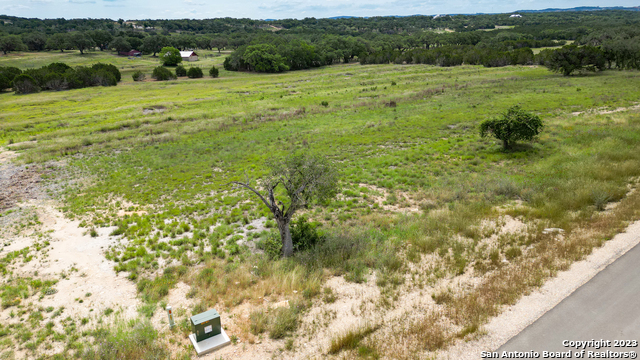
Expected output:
(276, 10)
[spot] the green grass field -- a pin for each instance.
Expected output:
(408, 134)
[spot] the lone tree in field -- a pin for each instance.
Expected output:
(170, 56)
(515, 124)
(304, 179)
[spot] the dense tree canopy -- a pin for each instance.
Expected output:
(274, 46)
(81, 41)
(572, 58)
(170, 56)
(11, 43)
(120, 44)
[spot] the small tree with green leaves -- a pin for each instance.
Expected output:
(514, 125)
(170, 56)
(213, 72)
(295, 182)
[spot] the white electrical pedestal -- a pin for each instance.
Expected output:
(211, 344)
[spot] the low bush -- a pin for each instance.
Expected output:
(272, 246)
(7, 74)
(5, 83)
(194, 73)
(54, 81)
(25, 84)
(285, 320)
(161, 73)
(213, 72)
(181, 71)
(304, 234)
(138, 76)
(103, 78)
(109, 68)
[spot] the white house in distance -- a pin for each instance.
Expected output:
(189, 55)
(516, 16)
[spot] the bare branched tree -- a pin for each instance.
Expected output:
(304, 179)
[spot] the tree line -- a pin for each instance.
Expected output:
(380, 33)
(58, 76)
(353, 26)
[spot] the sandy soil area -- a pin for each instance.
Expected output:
(76, 260)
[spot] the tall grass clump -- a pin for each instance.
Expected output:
(133, 339)
(352, 338)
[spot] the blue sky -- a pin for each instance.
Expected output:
(275, 9)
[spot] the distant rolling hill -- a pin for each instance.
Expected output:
(579, 8)
(583, 8)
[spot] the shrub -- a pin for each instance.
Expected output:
(272, 246)
(10, 73)
(54, 81)
(84, 76)
(213, 72)
(181, 71)
(109, 68)
(304, 234)
(103, 78)
(25, 84)
(37, 75)
(5, 83)
(72, 79)
(285, 321)
(194, 72)
(324, 103)
(259, 321)
(138, 76)
(58, 67)
(161, 73)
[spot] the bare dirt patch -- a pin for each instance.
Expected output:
(76, 260)
(403, 202)
(155, 109)
(18, 182)
(604, 111)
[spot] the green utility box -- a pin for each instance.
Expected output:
(206, 325)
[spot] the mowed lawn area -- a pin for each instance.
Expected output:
(416, 177)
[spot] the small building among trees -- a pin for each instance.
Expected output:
(135, 53)
(189, 55)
